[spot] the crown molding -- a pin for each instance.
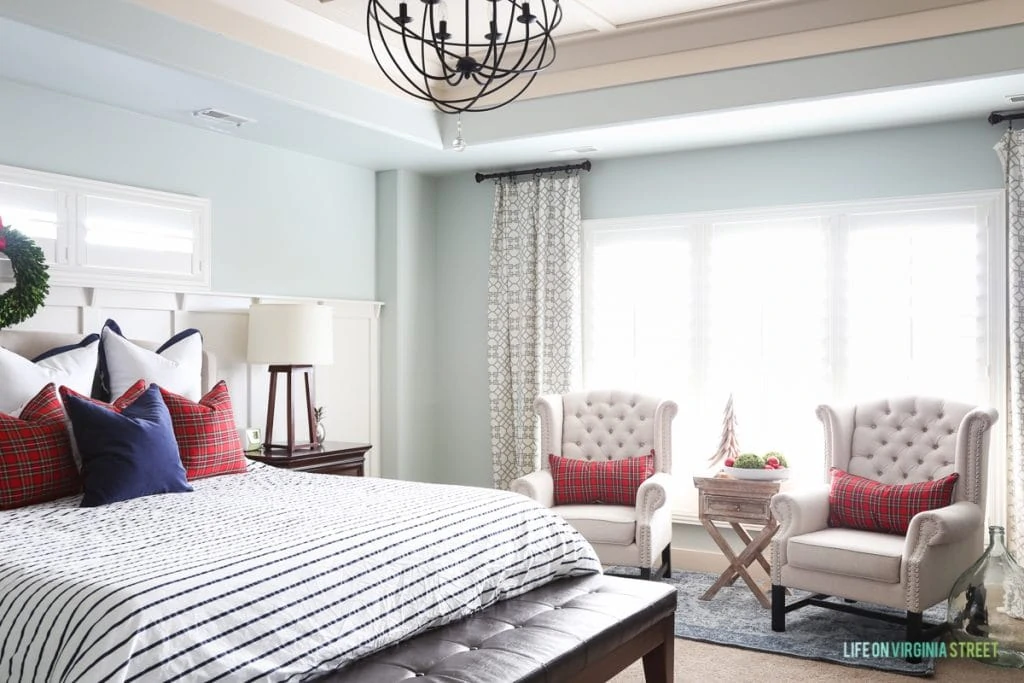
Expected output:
(715, 55)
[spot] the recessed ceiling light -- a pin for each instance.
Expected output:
(574, 151)
(1016, 99)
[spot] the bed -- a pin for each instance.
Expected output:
(267, 575)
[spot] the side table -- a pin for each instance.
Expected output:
(332, 457)
(736, 502)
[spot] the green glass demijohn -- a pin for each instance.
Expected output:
(986, 605)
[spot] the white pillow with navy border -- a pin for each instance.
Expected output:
(177, 365)
(73, 366)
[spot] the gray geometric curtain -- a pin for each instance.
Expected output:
(533, 342)
(1011, 153)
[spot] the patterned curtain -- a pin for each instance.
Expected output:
(533, 311)
(1011, 153)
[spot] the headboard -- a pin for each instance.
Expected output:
(31, 344)
(349, 389)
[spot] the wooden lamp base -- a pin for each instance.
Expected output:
(290, 371)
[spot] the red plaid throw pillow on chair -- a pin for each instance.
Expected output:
(613, 482)
(858, 503)
(35, 454)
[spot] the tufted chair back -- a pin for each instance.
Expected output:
(606, 424)
(909, 440)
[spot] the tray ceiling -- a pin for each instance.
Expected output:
(303, 76)
(580, 16)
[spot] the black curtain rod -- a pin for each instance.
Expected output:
(583, 166)
(1010, 115)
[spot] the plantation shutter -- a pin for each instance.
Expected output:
(767, 336)
(915, 297)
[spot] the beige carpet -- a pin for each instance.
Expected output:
(701, 662)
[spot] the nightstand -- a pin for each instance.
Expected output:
(333, 457)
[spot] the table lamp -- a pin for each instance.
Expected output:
(291, 339)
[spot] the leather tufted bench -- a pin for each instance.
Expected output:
(579, 630)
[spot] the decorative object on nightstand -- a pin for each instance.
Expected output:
(331, 457)
(321, 431)
(986, 605)
(291, 338)
(253, 439)
(738, 502)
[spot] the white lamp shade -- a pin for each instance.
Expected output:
(291, 334)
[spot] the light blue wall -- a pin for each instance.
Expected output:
(948, 157)
(283, 223)
(406, 262)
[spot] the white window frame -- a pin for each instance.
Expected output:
(68, 270)
(990, 202)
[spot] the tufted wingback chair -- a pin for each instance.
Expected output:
(609, 425)
(895, 441)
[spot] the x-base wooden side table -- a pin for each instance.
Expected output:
(737, 502)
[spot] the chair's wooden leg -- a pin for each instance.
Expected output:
(659, 663)
(645, 573)
(666, 560)
(915, 632)
(778, 608)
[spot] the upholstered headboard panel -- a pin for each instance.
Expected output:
(31, 344)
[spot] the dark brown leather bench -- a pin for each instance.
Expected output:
(580, 630)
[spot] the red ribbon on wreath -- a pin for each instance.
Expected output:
(3, 237)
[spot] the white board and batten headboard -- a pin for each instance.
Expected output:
(348, 389)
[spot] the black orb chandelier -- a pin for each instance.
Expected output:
(476, 62)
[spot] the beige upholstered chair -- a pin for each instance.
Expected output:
(611, 425)
(894, 441)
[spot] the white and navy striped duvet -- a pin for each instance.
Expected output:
(269, 575)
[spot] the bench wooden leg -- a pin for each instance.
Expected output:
(659, 663)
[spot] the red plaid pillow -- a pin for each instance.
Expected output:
(35, 454)
(206, 433)
(613, 482)
(858, 503)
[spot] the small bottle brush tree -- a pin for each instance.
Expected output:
(729, 446)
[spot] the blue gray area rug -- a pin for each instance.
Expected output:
(735, 618)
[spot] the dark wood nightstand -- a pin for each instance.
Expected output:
(333, 457)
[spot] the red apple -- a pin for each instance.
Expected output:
(729, 462)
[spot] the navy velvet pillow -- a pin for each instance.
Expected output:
(126, 454)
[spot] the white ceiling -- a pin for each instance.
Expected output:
(622, 13)
(284, 70)
(580, 16)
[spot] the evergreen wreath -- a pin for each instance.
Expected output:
(31, 281)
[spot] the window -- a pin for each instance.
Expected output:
(787, 309)
(99, 233)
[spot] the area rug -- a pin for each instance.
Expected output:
(736, 619)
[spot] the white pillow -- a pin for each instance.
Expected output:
(176, 366)
(20, 378)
